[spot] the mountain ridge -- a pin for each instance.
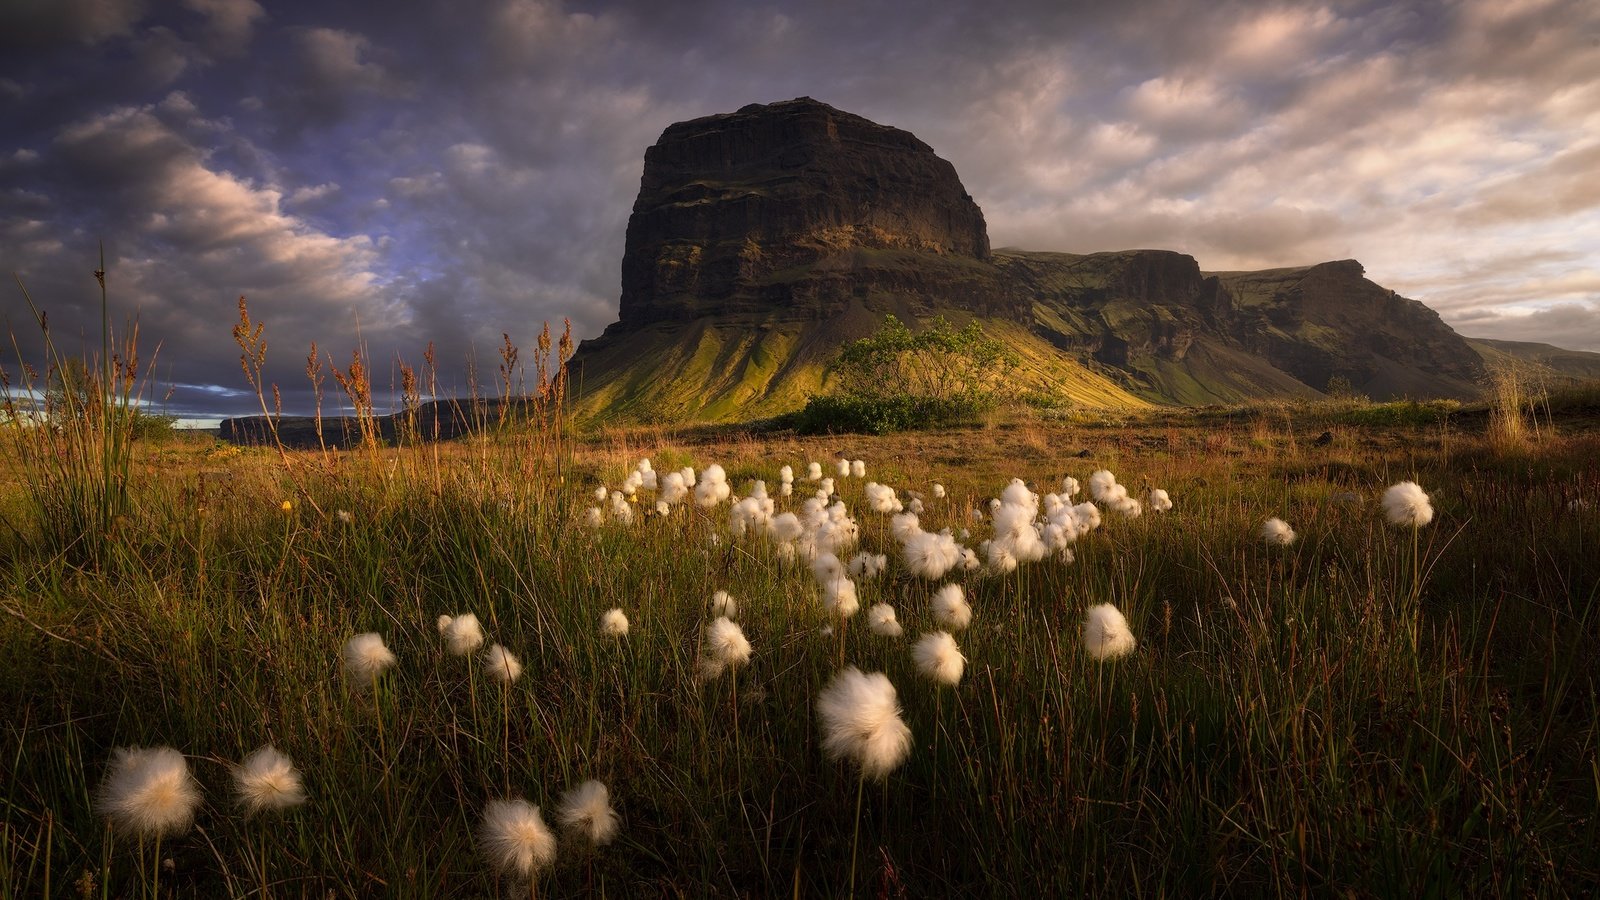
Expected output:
(762, 240)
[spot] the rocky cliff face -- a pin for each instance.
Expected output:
(798, 206)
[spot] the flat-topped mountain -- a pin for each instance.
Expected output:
(763, 239)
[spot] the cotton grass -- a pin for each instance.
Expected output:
(881, 619)
(614, 624)
(366, 658)
(1106, 635)
(860, 716)
(267, 781)
(502, 665)
(148, 792)
(938, 658)
(586, 810)
(1277, 532)
(463, 635)
(1407, 505)
(515, 839)
(950, 607)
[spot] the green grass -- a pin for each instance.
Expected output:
(1294, 719)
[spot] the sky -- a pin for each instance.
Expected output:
(392, 174)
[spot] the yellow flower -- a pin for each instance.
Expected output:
(288, 506)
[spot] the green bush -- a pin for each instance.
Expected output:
(834, 413)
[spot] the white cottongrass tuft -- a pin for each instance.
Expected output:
(1105, 633)
(722, 604)
(365, 658)
(939, 658)
(587, 810)
(463, 635)
(267, 781)
(1103, 486)
(1159, 501)
(861, 722)
(858, 468)
(614, 623)
(594, 517)
(839, 595)
(1069, 487)
(938, 490)
(950, 607)
(1407, 505)
(600, 494)
(1276, 531)
(881, 619)
(515, 838)
(501, 665)
(444, 622)
(713, 487)
(726, 643)
(814, 472)
(842, 467)
(931, 554)
(148, 792)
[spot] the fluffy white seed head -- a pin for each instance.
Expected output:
(600, 494)
(722, 604)
(267, 781)
(826, 567)
(904, 525)
(938, 490)
(840, 596)
(148, 792)
(586, 809)
(1106, 634)
(881, 619)
(860, 716)
(444, 623)
(1407, 505)
(842, 467)
(726, 643)
(930, 554)
(1102, 484)
(814, 472)
(786, 475)
(515, 838)
(365, 658)
(1277, 532)
(614, 623)
(938, 658)
(858, 468)
(1159, 501)
(673, 489)
(464, 635)
(501, 665)
(950, 607)
(867, 566)
(1069, 487)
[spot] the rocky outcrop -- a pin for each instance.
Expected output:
(797, 206)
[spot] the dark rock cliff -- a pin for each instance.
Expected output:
(798, 206)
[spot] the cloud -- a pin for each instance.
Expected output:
(36, 24)
(229, 24)
(452, 171)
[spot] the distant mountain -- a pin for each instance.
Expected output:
(1569, 363)
(763, 239)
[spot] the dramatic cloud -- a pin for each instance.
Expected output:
(450, 172)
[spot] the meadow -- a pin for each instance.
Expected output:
(1371, 709)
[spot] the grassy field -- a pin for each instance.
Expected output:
(1372, 710)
